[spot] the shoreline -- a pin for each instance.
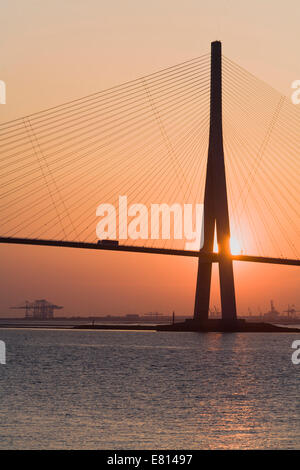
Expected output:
(187, 326)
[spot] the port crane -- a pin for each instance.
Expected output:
(291, 311)
(39, 309)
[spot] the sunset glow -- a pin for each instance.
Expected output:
(235, 246)
(150, 229)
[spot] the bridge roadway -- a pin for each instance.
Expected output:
(203, 256)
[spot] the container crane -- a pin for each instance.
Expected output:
(39, 309)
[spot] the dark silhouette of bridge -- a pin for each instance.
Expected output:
(216, 219)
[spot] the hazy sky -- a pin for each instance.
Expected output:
(55, 51)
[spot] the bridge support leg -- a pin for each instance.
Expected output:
(227, 290)
(202, 291)
(216, 207)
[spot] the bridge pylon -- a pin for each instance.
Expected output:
(216, 216)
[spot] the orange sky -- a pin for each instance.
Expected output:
(52, 52)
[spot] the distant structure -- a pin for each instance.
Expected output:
(273, 314)
(132, 317)
(215, 313)
(38, 310)
(155, 316)
(291, 311)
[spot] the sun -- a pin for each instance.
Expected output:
(235, 246)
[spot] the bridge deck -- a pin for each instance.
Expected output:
(202, 256)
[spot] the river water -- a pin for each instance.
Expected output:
(72, 389)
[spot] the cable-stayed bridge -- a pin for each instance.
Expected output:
(171, 136)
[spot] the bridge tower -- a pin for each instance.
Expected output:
(216, 215)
